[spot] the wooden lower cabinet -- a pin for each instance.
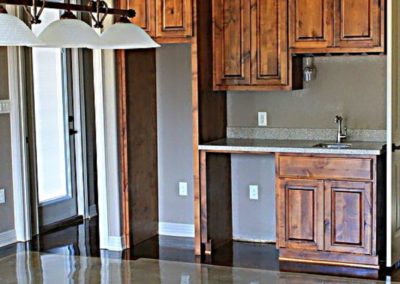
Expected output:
(325, 220)
(348, 216)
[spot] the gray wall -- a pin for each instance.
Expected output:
(348, 85)
(353, 86)
(7, 209)
(175, 151)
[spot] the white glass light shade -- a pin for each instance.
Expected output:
(14, 32)
(125, 36)
(69, 33)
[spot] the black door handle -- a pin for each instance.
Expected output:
(73, 132)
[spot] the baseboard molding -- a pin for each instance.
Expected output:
(92, 211)
(250, 240)
(176, 229)
(116, 243)
(8, 238)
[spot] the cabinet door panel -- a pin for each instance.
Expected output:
(174, 18)
(311, 23)
(359, 23)
(348, 213)
(231, 33)
(145, 14)
(269, 42)
(300, 214)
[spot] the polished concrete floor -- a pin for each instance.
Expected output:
(34, 267)
(74, 252)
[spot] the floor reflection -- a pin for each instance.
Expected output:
(34, 267)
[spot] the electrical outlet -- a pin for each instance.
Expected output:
(185, 279)
(183, 189)
(262, 119)
(4, 106)
(2, 196)
(253, 192)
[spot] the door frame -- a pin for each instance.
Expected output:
(18, 89)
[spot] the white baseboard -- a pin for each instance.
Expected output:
(8, 238)
(252, 240)
(176, 229)
(115, 244)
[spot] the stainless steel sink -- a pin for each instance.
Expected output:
(333, 145)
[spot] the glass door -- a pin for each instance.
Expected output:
(52, 126)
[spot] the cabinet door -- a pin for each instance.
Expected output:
(231, 43)
(311, 23)
(300, 214)
(145, 14)
(348, 217)
(269, 42)
(359, 23)
(174, 18)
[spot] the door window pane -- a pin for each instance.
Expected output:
(51, 125)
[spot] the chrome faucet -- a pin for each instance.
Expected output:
(341, 133)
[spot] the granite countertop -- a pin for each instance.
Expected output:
(291, 146)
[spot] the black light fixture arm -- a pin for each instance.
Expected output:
(71, 7)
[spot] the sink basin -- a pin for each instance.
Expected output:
(333, 145)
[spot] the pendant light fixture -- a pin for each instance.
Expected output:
(14, 32)
(125, 35)
(69, 32)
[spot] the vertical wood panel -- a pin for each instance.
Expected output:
(231, 31)
(269, 42)
(311, 23)
(348, 217)
(359, 23)
(300, 214)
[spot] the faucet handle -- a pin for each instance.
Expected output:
(338, 118)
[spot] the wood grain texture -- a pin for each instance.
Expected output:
(141, 124)
(359, 23)
(348, 217)
(300, 214)
(350, 26)
(209, 118)
(145, 14)
(250, 46)
(174, 18)
(325, 167)
(311, 23)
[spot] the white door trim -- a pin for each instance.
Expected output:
(22, 212)
(109, 204)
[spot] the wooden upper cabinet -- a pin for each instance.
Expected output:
(300, 206)
(145, 14)
(336, 26)
(250, 46)
(359, 23)
(164, 18)
(174, 18)
(311, 23)
(231, 32)
(348, 223)
(269, 34)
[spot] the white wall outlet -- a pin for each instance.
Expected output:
(183, 189)
(2, 196)
(253, 192)
(5, 106)
(262, 119)
(185, 279)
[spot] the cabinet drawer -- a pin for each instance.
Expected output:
(325, 167)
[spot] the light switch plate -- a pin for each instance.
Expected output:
(2, 196)
(185, 279)
(253, 192)
(5, 106)
(262, 119)
(183, 189)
